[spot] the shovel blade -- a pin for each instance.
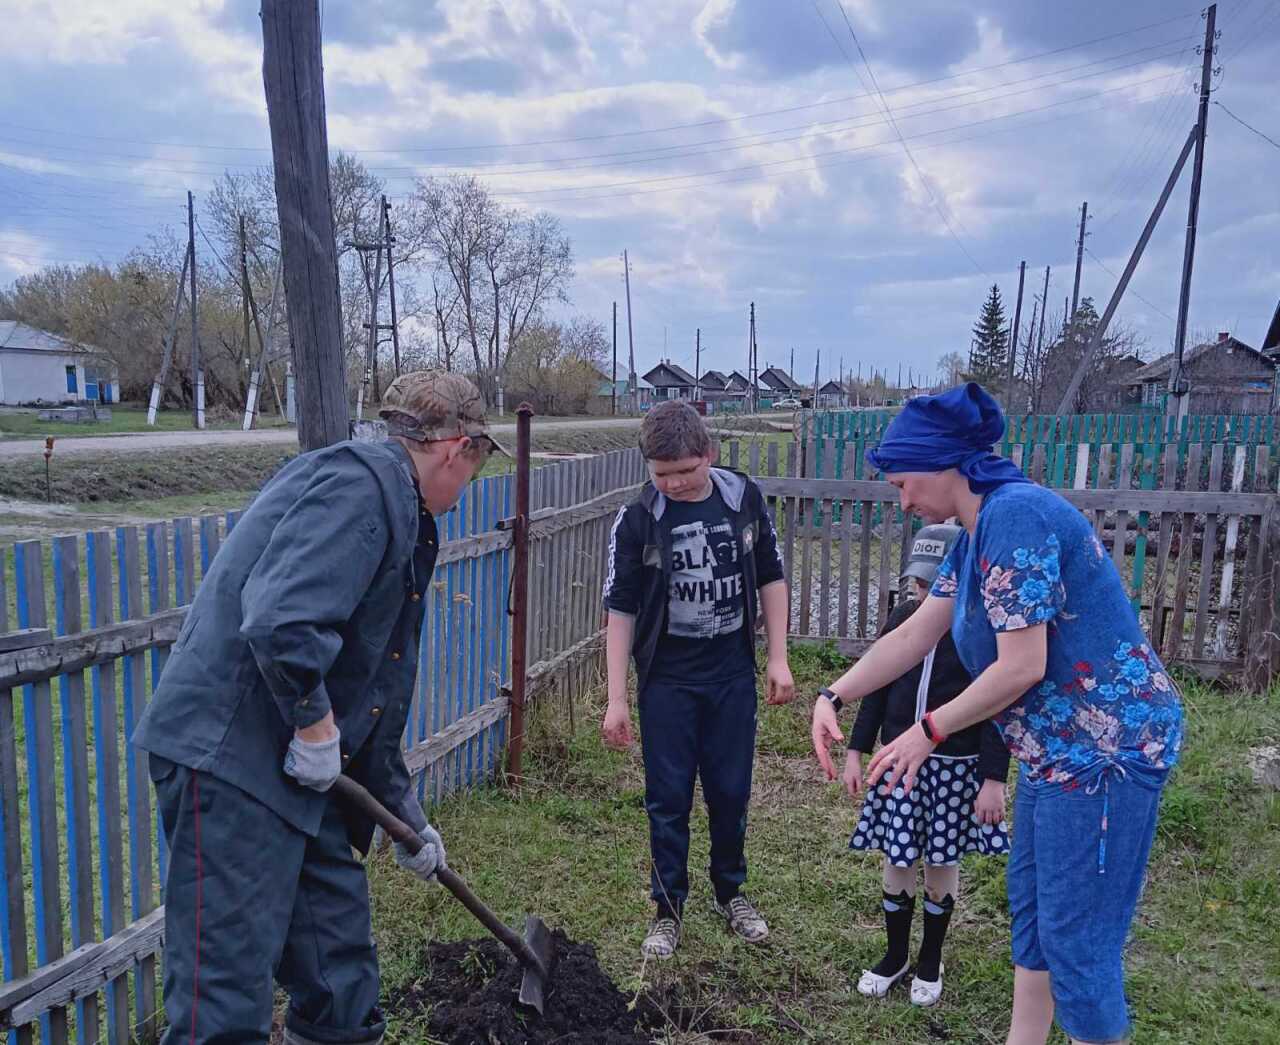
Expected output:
(533, 985)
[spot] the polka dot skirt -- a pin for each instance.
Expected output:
(936, 821)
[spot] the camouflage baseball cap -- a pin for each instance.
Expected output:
(432, 405)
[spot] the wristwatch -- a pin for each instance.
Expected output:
(836, 702)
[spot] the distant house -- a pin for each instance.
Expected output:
(39, 368)
(712, 385)
(832, 396)
(1226, 376)
(670, 381)
(1271, 342)
(776, 382)
(737, 384)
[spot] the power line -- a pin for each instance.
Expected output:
(1241, 122)
(946, 220)
(812, 167)
(1129, 290)
(998, 92)
(642, 131)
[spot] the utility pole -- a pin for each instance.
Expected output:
(751, 358)
(391, 284)
(613, 390)
(1177, 379)
(371, 353)
(294, 81)
(697, 364)
(791, 372)
(1013, 341)
(157, 389)
(197, 374)
(817, 368)
(264, 357)
(1099, 332)
(1075, 290)
(244, 296)
(1044, 311)
(631, 344)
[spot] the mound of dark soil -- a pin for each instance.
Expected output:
(470, 990)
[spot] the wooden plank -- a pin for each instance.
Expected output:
(1080, 480)
(184, 570)
(1162, 564)
(1208, 556)
(13, 924)
(846, 548)
(1186, 544)
(82, 972)
(209, 542)
(1229, 556)
(885, 583)
(789, 550)
(106, 742)
(42, 812)
(75, 768)
(158, 602)
(753, 457)
(864, 569)
(142, 892)
(807, 509)
(96, 646)
(1120, 537)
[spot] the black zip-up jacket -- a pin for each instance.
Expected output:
(640, 568)
(891, 710)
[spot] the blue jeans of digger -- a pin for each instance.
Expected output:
(707, 731)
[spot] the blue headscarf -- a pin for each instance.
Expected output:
(955, 429)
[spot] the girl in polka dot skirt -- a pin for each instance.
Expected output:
(956, 807)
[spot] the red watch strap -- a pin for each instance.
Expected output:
(931, 729)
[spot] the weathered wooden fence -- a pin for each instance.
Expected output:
(1074, 428)
(1201, 564)
(81, 921)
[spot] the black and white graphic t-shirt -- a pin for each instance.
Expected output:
(704, 638)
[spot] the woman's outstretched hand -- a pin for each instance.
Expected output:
(900, 759)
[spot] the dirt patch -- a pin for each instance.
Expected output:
(469, 989)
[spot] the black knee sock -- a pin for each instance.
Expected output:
(898, 911)
(937, 915)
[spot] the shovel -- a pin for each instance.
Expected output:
(533, 951)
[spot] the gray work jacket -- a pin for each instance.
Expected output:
(312, 604)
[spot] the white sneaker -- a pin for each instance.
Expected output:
(925, 992)
(873, 985)
(744, 919)
(663, 939)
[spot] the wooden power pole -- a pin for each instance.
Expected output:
(1177, 379)
(197, 372)
(294, 81)
(613, 391)
(1075, 289)
(391, 284)
(631, 344)
(1013, 342)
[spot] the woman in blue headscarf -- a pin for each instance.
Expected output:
(1042, 621)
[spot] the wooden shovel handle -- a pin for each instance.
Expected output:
(356, 796)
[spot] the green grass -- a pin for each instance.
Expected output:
(573, 847)
(27, 424)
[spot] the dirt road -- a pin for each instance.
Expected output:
(133, 442)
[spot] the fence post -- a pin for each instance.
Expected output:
(519, 596)
(1262, 656)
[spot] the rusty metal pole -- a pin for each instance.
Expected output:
(519, 596)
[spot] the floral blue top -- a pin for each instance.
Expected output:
(1106, 698)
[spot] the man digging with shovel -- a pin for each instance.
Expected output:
(296, 664)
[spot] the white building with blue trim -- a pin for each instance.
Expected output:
(38, 368)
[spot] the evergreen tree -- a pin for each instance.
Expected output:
(989, 356)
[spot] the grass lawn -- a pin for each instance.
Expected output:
(573, 847)
(26, 424)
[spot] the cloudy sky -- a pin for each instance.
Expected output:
(863, 181)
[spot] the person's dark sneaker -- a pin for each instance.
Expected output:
(743, 919)
(663, 938)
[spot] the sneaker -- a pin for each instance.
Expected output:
(743, 919)
(663, 938)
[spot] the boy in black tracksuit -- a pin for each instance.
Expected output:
(693, 563)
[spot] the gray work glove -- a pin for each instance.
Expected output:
(314, 765)
(426, 860)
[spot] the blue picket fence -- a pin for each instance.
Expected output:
(84, 853)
